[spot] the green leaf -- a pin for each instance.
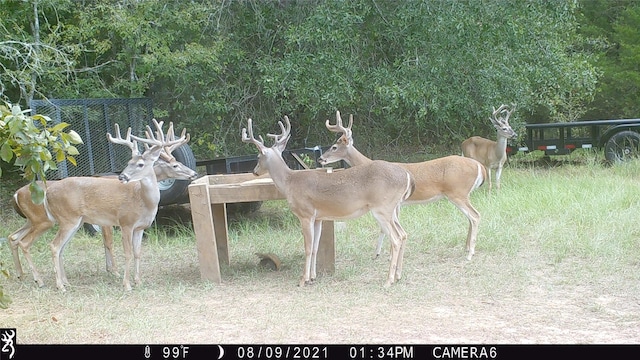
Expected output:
(75, 138)
(37, 193)
(72, 160)
(58, 127)
(59, 156)
(6, 152)
(72, 150)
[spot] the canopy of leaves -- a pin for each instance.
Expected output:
(613, 28)
(415, 73)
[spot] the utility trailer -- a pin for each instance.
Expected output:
(620, 139)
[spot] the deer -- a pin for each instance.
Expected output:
(129, 201)
(167, 167)
(452, 177)
(492, 154)
(314, 196)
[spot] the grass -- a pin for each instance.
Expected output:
(557, 252)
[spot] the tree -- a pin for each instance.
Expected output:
(614, 26)
(414, 73)
(32, 54)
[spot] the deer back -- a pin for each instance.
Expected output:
(447, 175)
(349, 193)
(103, 201)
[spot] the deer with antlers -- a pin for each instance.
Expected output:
(452, 177)
(129, 201)
(166, 167)
(492, 154)
(314, 196)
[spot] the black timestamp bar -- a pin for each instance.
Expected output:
(18, 351)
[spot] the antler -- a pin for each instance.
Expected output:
(160, 140)
(168, 139)
(184, 137)
(280, 140)
(126, 141)
(501, 110)
(339, 128)
(250, 138)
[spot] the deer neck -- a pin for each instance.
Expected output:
(501, 146)
(149, 190)
(355, 157)
(278, 170)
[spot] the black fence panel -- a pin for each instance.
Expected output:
(92, 119)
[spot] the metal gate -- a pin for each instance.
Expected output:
(92, 119)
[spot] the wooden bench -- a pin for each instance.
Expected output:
(209, 195)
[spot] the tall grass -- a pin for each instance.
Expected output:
(554, 238)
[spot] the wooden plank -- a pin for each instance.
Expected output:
(203, 227)
(237, 193)
(221, 231)
(326, 260)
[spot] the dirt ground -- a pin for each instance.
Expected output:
(497, 298)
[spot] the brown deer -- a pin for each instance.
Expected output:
(452, 177)
(167, 167)
(492, 154)
(314, 196)
(129, 201)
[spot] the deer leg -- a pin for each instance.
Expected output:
(386, 224)
(107, 240)
(498, 174)
(474, 220)
(307, 233)
(317, 231)
(127, 234)
(15, 239)
(137, 252)
(24, 238)
(65, 233)
(489, 177)
(379, 246)
(402, 235)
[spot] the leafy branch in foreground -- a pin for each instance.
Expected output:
(34, 146)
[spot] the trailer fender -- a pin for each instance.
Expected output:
(608, 134)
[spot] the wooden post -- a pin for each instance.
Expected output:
(220, 227)
(326, 261)
(202, 215)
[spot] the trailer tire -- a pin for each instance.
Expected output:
(172, 190)
(622, 146)
(92, 229)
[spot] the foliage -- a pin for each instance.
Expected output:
(415, 73)
(34, 145)
(615, 26)
(31, 53)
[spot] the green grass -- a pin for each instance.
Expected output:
(560, 238)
